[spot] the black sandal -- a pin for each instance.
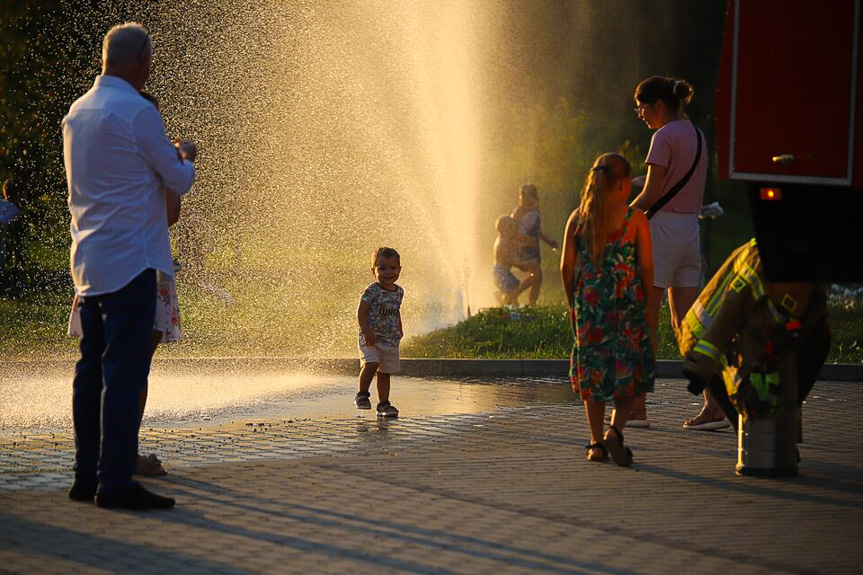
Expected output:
(592, 446)
(620, 454)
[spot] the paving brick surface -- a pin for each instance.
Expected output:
(502, 491)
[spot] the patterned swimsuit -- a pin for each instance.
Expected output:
(612, 356)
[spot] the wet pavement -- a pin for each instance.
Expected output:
(35, 396)
(472, 486)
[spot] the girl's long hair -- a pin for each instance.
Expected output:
(606, 174)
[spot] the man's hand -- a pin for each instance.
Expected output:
(370, 337)
(188, 150)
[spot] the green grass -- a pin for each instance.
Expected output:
(544, 332)
(846, 327)
(541, 332)
(35, 327)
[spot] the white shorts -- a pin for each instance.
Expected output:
(387, 357)
(676, 245)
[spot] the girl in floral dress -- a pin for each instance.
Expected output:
(605, 266)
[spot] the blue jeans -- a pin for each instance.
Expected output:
(116, 350)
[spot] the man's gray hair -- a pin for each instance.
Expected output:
(126, 44)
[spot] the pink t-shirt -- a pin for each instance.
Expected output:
(673, 147)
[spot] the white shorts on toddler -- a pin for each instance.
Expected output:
(387, 357)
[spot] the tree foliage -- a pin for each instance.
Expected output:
(44, 68)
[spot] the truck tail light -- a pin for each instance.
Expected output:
(770, 194)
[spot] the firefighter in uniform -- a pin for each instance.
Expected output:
(740, 328)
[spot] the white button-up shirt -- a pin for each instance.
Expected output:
(119, 164)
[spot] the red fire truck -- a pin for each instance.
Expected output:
(789, 115)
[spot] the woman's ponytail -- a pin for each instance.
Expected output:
(683, 91)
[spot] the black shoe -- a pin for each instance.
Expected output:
(80, 492)
(386, 409)
(362, 401)
(136, 497)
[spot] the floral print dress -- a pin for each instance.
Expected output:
(167, 310)
(612, 356)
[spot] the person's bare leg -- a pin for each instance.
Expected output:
(511, 298)
(367, 374)
(639, 407)
(533, 295)
(525, 285)
(148, 464)
(383, 387)
(639, 410)
(613, 439)
(709, 404)
(710, 413)
(622, 407)
(595, 419)
(142, 402)
(680, 299)
(157, 339)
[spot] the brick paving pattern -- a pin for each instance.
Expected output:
(502, 491)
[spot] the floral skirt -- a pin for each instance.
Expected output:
(167, 310)
(607, 366)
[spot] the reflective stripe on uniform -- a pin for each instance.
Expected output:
(697, 319)
(789, 303)
(716, 299)
(763, 383)
(706, 348)
(741, 275)
(751, 277)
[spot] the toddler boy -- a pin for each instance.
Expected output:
(380, 331)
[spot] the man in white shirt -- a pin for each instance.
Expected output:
(118, 162)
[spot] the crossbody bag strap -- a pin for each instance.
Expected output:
(660, 203)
